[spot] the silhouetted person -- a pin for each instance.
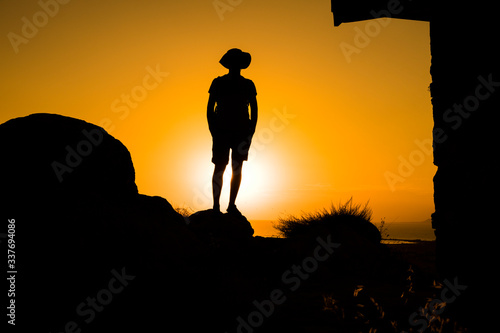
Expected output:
(230, 124)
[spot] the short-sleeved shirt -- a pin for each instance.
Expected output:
(232, 95)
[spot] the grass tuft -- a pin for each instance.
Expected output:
(292, 226)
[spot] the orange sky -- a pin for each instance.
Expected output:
(332, 124)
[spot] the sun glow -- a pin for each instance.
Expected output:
(259, 179)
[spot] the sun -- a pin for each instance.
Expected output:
(187, 180)
(259, 179)
(252, 182)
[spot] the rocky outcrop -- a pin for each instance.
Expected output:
(217, 229)
(80, 223)
(92, 254)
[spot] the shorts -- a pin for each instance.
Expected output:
(222, 142)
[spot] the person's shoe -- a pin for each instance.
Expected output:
(232, 210)
(216, 212)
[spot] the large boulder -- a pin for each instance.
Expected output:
(53, 155)
(84, 234)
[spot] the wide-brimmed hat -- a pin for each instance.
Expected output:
(236, 58)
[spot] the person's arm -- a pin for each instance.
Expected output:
(254, 113)
(210, 108)
(211, 112)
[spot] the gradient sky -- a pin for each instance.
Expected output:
(341, 109)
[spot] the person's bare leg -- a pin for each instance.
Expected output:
(235, 182)
(217, 185)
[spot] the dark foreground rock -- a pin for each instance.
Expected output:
(220, 230)
(90, 250)
(92, 254)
